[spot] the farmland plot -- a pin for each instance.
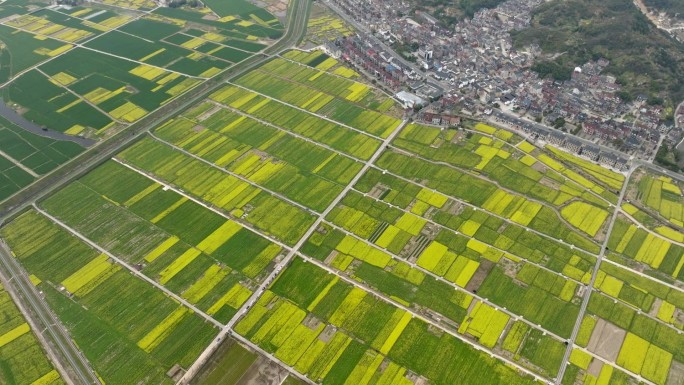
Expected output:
(640, 343)
(40, 154)
(664, 196)
(201, 256)
(302, 171)
(127, 329)
(299, 122)
(630, 243)
(250, 25)
(219, 189)
(24, 361)
(421, 205)
(295, 320)
(476, 191)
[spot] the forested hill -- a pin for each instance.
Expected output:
(643, 58)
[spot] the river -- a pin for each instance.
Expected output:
(11, 115)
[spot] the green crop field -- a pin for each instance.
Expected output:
(119, 321)
(345, 101)
(23, 358)
(200, 255)
(12, 178)
(40, 154)
(237, 17)
(218, 188)
(229, 366)
(663, 196)
(125, 66)
(458, 255)
(384, 336)
(25, 156)
(304, 172)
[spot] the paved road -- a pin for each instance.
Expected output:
(43, 316)
(659, 169)
(590, 286)
(528, 123)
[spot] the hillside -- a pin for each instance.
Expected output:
(672, 7)
(643, 59)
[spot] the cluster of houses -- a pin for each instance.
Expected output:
(474, 65)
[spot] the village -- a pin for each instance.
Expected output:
(474, 69)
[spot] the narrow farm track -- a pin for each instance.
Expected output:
(590, 286)
(655, 234)
(19, 164)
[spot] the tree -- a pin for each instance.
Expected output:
(559, 123)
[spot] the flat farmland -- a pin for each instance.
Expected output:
(230, 365)
(88, 70)
(663, 197)
(335, 333)
(83, 90)
(467, 244)
(23, 50)
(128, 330)
(238, 18)
(233, 195)
(273, 112)
(630, 330)
(23, 358)
(631, 244)
(26, 156)
(12, 177)
(31, 38)
(343, 100)
(210, 261)
(39, 154)
(302, 171)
